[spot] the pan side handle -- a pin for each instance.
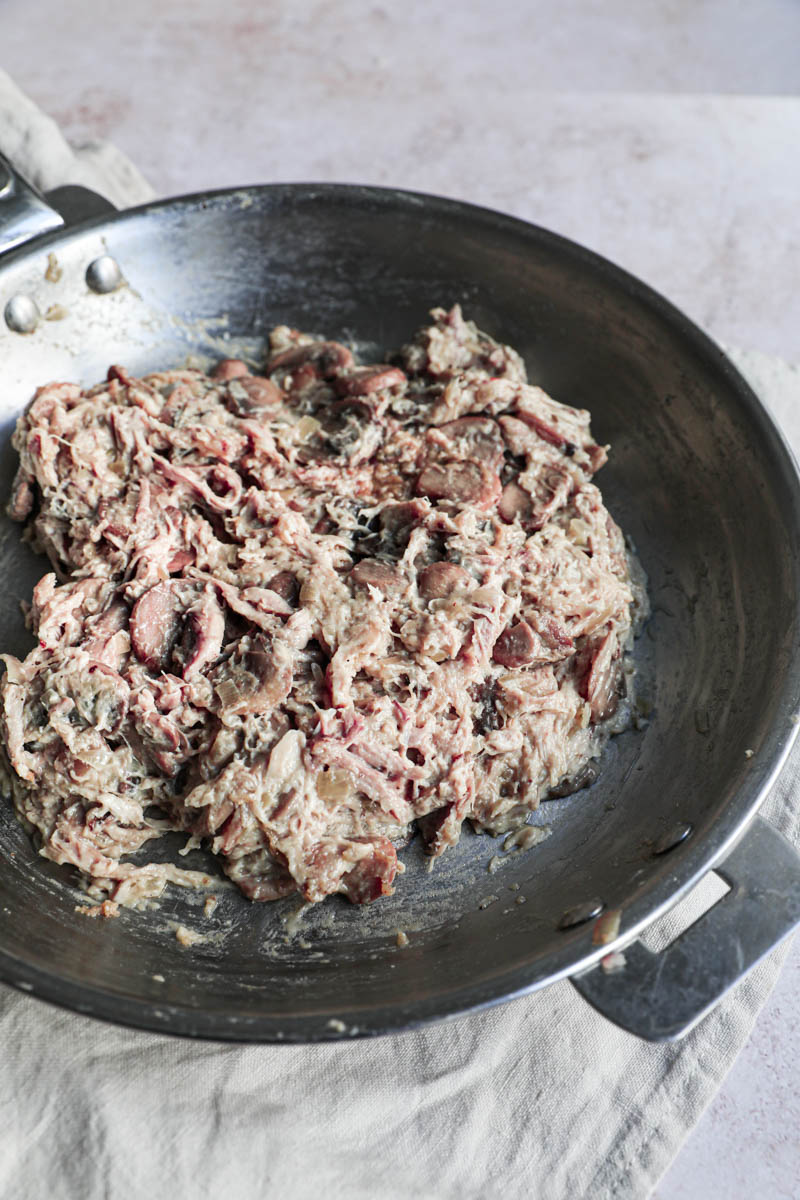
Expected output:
(660, 997)
(25, 214)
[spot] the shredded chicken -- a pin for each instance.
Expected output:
(293, 614)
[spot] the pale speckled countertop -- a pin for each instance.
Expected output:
(664, 135)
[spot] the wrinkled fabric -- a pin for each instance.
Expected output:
(40, 152)
(540, 1097)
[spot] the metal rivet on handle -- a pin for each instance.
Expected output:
(21, 314)
(581, 913)
(673, 837)
(103, 275)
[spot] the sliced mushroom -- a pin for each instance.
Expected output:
(230, 368)
(203, 631)
(517, 646)
(252, 393)
(371, 572)
(550, 492)
(327, 358)
(476, 438)
(555, 638)
(155, 621)
(396, 523)
(461, 482)
(256, 680)
(441, 579)
(584, 778)
(285, 585)
(515, 504)
(361, 381)
(177, 618)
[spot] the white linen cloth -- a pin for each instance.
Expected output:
(539, 1098)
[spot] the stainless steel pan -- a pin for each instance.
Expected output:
(699, 477)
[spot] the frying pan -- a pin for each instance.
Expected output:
(699, 477)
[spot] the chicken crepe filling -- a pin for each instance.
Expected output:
(298, 614)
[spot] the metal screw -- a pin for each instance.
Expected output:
(103, 275)
(581, 913)
(672, 838)
(21, 314)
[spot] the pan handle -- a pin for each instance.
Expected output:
(23, 212)
(660, 997)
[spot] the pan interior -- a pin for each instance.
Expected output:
(697, 477)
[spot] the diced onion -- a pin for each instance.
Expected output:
(228, 693)
(306, 427)
(334, 785)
